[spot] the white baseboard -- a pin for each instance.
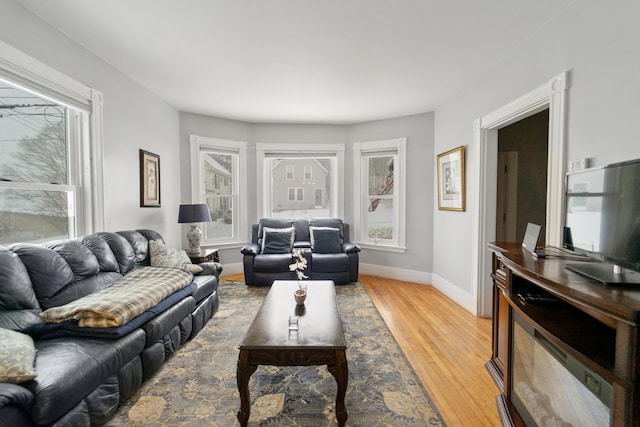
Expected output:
(229, 269)
(460, 297)
(396, 273)
(449, 289)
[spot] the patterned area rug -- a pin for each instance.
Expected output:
(197, 386)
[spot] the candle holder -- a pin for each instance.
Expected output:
(293, 323)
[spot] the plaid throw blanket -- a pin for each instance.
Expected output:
(128, 297)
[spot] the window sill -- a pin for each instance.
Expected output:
(225, 245)
(382, 247)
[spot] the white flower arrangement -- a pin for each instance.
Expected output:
(299, 265)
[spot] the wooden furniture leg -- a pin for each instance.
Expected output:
(341, 373)
(245, 369)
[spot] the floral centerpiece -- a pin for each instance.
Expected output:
(299, 265)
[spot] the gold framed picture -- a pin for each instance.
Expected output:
(451, 185)
(149, 180)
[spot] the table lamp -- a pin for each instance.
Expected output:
(194, 214)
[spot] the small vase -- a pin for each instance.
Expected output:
(300, 296)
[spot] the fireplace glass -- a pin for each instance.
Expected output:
(550, 387)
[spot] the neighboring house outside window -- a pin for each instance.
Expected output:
(51, 183)
(301, 181)
(218, 178)
(379, 173)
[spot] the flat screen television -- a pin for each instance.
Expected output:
(602, 221)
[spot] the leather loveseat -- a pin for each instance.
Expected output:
(327, 248)
(81, 378)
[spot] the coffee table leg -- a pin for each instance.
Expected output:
(242, 377)
(341, 373)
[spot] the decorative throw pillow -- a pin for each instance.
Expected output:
(325, 240)
(161, 256)
(17, 355)
(277, 240)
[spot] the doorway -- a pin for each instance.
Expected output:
(522, 185)
(551, 96)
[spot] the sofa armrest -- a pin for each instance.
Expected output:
(251, 249)
(301, 244)
(210, 268)
(14, 395)
(350, 248)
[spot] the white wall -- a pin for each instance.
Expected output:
(134, 118)
(597, 43)
(416, 263)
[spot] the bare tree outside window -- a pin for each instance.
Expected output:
(380, 187)
(33, 161)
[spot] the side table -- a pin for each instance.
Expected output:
(207, 255)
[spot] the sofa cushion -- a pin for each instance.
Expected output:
(17, 355)
(81, 288)
(49, 272)
(70, 368)
(330, 222)
(16, 291)
(271, 223)
(330, 263)
(277, 240)
(82, 261)
(20, 320)
(162, 256)
(273, 263)
(102, 251)
(325, 240)
(140, 245)
(121, 249)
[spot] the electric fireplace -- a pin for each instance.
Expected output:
(549, 387)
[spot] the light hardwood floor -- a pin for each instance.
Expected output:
(445, 344)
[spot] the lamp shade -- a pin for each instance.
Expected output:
(194, 213)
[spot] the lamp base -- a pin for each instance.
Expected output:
(194, 237)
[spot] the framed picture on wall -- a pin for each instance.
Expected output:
(149, 180)
(451, 185)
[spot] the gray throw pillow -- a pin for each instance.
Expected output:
(161, 256)
(277, 240)
(325, 240)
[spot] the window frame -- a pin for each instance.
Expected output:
(239, 187)
(85, 143)
(267, 151)
(361, 152)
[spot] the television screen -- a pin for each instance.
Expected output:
(603, 220)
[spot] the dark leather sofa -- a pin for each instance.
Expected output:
(81, 380)
(338, 261)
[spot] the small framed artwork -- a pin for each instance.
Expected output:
(149, 180)
(451, 185)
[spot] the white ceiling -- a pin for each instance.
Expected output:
(301, 61)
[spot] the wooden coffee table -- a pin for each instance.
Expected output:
(318, 341)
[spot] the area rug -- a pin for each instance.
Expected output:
(197, 385)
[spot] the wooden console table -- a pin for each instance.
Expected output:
(596, 325)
